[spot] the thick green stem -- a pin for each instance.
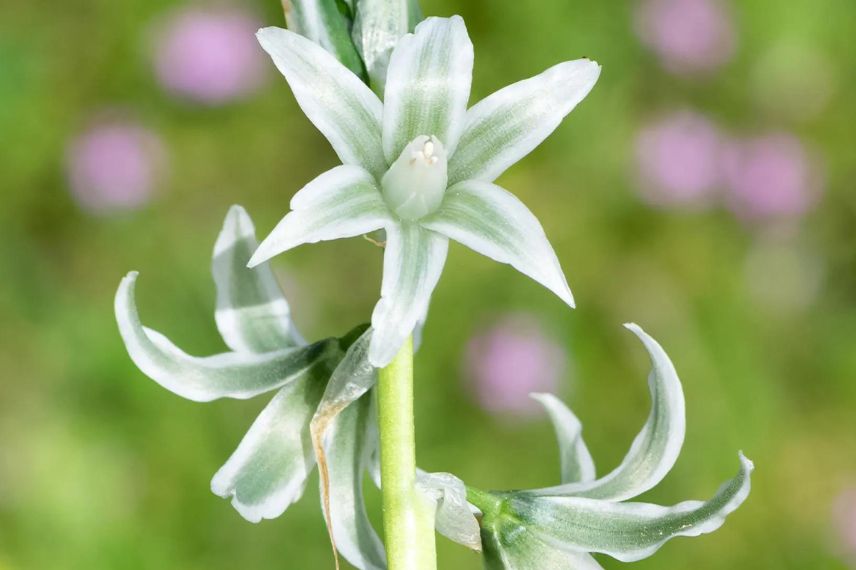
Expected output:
(408, 517)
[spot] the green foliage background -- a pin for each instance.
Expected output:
(101, 468)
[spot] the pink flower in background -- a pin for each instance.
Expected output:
(114, 166)
(770, 176)
(844, 520)
(678, 160)
(511, 359)
(209, 56)
(688, 36)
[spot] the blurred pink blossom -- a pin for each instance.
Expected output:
(844, 520)
(688, 36)
(511, 359)
(771, 176)
(678, 160)
(114, 166)
(209, 55)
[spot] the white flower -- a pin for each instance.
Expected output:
(420, 165)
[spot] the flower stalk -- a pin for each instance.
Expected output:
(408, 517)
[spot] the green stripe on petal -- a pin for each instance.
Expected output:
(252, 313)
(513, 547)
(378, 25)
(657, 446)
(428, 85)
(228, 375)
(322, 22)
(493, 222)
(337, 102)
(412, 264)
(625, 531)
(269, 468)
(506, 126)
(342, 202)
(575, 460)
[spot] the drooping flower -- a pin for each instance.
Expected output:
(420, 165)
(678, 161)
(688, 36)
(114, 166)
(770, 177)
(511, 359)
(209, 56)
(559, 527)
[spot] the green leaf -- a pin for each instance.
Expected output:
(412, 264)
(493, 222)
(506, 126)
(269, 468)
(656, 447)
(575, 459)
(228, 375)
(342, 202)
(252, 313)
(428, 85)
(337, 102)
(626, 531)
(324, 23)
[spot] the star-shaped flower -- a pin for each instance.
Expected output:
(420, 165)
(557, 527)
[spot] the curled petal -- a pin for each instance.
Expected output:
(454, 517)
(342, 202)
(493, 222)
(337, 102)
(575, 459)
(252, 313)
(228, 375)
(656, 447)
(428, 85)
(506, 126)
(412, 265)
(268, 471)
(625, 531)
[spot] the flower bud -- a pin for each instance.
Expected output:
(413, 186)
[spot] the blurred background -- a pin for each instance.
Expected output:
(703, 190)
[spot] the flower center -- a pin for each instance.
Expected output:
(413, 186)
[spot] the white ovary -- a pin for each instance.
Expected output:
(414, 185)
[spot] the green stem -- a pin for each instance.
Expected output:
(408, 518)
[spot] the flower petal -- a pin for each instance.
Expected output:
(228, 375)
(351, 440)
(506, 126)
(454, 518)
(268, 471)
(513, 547)
(656, 447)
(378, 25)
(337, 102)
(412, 265)
(493, 222)
(428, 85)
(575, 459)
(342, 202)
(252, 313)
(626, 531)
(323, 23)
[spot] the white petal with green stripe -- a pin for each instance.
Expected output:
(322, 22)
(428, 85)
(337, 102)
(625, 531)
(658, 444)
(269, 468)
(378, 25)
(506, 126)
(228, 375)
(453, 518)
(493, 222)
(412, 264)
(252, 313)
(342, 202)
(513, 547)
(574, 457)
